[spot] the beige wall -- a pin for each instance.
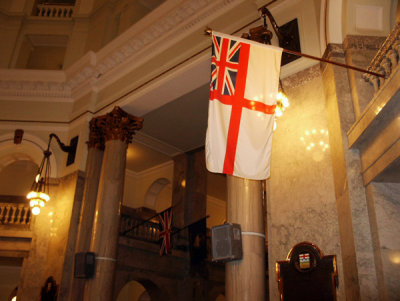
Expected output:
(137, 185)
(17, 177)
(301, 204)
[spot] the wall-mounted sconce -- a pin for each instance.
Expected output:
(39, 194)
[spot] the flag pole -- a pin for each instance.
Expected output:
(208, 31)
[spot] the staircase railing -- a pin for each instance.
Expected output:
(15, 214)
(386, 59)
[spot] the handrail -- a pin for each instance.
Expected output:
(145, 230)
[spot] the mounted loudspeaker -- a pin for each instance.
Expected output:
(226, 241)
(84, 265)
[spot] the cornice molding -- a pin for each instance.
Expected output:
(149, 171)
(174, 21)
(34, 83)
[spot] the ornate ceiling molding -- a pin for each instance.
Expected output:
(167, 25)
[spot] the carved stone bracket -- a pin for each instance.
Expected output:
(386, 59)
(96, 136)
(119, 125)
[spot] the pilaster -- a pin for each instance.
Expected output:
(355, 236)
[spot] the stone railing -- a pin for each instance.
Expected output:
(54, 11)
(14, 214)
(139, 229)
(386, 59)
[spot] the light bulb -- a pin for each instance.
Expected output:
(35, 210)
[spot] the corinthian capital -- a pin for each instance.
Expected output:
(119, 125)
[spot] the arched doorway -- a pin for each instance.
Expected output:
(141, 290)
(220, 297)
(159, 195)
(132, 291)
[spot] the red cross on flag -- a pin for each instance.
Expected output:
(244, 84)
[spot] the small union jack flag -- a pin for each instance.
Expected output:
(165, 234)
(231, 65)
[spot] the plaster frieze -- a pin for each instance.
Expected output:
(34, 88)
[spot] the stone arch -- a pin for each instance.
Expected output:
(30, 149)
(153, 192)
(153, 290)
(216, 293)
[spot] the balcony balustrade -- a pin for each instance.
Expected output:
(54, 11)
(14, 214)
(139, 229)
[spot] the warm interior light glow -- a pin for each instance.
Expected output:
(315, 140)
(37, 178)
(35, 210)
(32, 195)
(37, 200)
(44, 196)
(14, 298)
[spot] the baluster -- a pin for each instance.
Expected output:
(153, 228)
(146, 232)
(381, 80)
(396, 47)
(392, 55)
(386, 66)
(12, 213)
(25, 216)
(18, 219)
(8, 208)
(1, 213)
(375, 83)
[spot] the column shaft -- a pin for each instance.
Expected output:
(245, 279)
(106, 221)
(93, 169)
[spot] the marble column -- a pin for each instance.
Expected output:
(118, 127)
(245, 279)
(93, 168)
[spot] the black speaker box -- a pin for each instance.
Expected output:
(84, 265)
(226, 242)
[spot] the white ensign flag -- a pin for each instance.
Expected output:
(243, 89)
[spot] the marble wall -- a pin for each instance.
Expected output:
(385, 224)
(53, 242)
(301, 204)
